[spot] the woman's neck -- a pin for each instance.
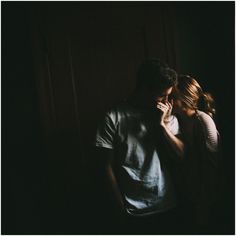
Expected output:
(189, 112)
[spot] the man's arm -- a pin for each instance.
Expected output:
(173, 140)
(176, 144)
(105, 156)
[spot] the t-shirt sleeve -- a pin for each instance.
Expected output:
(105, 134)
(210, 132)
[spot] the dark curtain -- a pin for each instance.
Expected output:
(64, 65)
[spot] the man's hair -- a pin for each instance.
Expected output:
(154, 74)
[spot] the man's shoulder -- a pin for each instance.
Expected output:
(119, 108)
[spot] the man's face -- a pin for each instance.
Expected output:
(163, 95)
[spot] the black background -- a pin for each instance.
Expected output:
(36, 198)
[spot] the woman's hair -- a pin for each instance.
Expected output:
(192, 96)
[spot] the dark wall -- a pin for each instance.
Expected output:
(22, 163)
(205, 45)
(63, 65)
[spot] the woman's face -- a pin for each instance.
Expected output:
(177, 102)
(180, 107)
(177, 106)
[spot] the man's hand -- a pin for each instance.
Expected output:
(166, 110)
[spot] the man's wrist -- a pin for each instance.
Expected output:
(163, 124)
(168, 119)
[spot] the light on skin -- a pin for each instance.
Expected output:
(163, 104)
(180, 108)
(165, 107)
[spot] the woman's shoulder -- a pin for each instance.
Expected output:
(202, 114)
(206, 121)
(209, 129)
(205, 118)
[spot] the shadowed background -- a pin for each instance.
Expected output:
(63, 65)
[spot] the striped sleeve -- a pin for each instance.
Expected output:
(210, 132)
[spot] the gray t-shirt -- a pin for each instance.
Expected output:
(143, 176)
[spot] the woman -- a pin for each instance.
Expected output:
(195, 111)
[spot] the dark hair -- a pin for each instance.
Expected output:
(192, 96)
(154, 74)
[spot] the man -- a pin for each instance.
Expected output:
(139, 143)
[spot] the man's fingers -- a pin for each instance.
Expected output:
(162, 105)
(170, 104)
(162, 108)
